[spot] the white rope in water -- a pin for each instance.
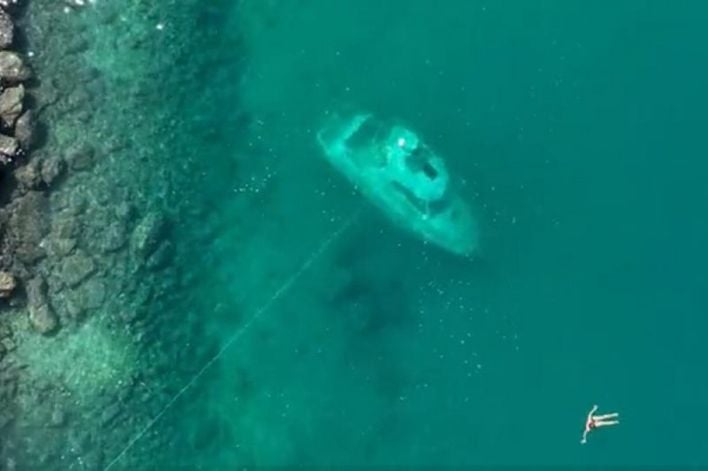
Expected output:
(287, 284)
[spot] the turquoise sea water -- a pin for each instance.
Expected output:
(576, 131)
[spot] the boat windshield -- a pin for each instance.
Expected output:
(367, 134)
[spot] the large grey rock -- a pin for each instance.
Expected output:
(7, 284)
(52, 168)
(112, 238)
(88, 295)
(146, 235)
(28, 224)
(36, 291)
(7, 29)
(29, 176)
(63, 236)
(8, 148)
(80, 157)
(65, 225)
(8, 3)
(93, 293)
(12, 68)
(41, 316)
(11, 104)
(161, 257)
(57, 247)
(76, 268)
(24, 130)
(43, 319)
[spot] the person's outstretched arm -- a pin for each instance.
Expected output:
(588, 421)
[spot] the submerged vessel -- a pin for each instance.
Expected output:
(395, 170)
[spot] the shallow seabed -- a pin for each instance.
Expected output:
(574, 131)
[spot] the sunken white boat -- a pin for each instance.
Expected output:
(392, 167)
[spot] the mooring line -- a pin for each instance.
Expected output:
(284, 287)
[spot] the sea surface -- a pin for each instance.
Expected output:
(576, 132)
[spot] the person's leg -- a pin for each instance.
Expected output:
(604, 423)
(606, 416)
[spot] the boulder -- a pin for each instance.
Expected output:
(161, 257)
(8, 3)
(28, 224)
(93, 293)
(76, 268)
(88, 295)
(24, 130)
(43, 319)
(112, 238)
(146, 235)
(57, 247)
(12, 68)
(63, 236)
(7, 29)
(7, 284)
(41, 316)
(36, 291)
(52, 168)
(80, 157)
(11, 104)
(29, 176)
(65, 225)
(8, 148)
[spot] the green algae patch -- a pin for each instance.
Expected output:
(93, 359)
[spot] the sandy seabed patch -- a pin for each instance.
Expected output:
(92, 359)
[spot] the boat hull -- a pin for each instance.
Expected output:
(452, 227)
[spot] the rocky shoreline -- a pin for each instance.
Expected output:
(21, 217)
(20, 235)
(86, 254)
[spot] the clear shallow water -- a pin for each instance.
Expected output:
(577, 134)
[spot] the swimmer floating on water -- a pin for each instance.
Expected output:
(595, 421)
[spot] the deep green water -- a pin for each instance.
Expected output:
(578, 132)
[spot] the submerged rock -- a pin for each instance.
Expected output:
(11, 104)
(6, 28)
(41, 316)
(12, 68)
(52, 168)
(80, 158)
(58, 247)
(43, 319)
(147, 234)
(28, 225)
(7, 284)
(161, 257)
(93, 293)
(112, 238)
(36, 291)
(8, 148)
(87, 296)
(65, 225)
(76, 268)
(28, 176)
(24, 130)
